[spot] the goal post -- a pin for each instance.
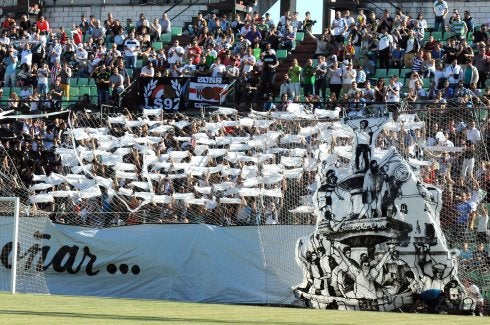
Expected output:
(19, 246)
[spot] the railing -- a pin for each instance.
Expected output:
(188, 6)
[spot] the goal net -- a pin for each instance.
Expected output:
(21, 235)
(262, 170)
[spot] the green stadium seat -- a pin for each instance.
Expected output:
(437, 35)
(15, 89)
(176, 31)
(93, 91)
(380, 73)
(6, 91)
(82, 82)
(426, 82)
(157, 45)
(281, 54)
(91, 82)
(393, 72)
(83, 90)
(139, 63)
(166, 38)
(74, 93)
(130, 72)
(73, 82)
(405, 72)
(300, 36)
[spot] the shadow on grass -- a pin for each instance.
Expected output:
(110, 317)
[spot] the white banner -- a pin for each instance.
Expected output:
(201, 263)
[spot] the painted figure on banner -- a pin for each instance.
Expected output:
(378, 244)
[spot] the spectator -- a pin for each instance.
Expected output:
(335, 76)
(166, 24)
(102, 79)
(321, 73)
(294, 73)
(458, 27)
(10, 63)
(65, 75)
(270, 64)
(384, 44)
(440, 9)
(42, 25)
(131, 48)
(453, 73)
(308, 77)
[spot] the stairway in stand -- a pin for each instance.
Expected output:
(303, 51)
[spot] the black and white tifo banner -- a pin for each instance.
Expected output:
(162, 93)
(205, 91)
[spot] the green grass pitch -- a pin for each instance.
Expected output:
(52, 309)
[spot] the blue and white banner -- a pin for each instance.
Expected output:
(178, 262)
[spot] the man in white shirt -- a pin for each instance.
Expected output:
(473, 134)
(393, 91)
(453, 73)
(5, 40)
(384, 46)
(131, 48)
(147, 70)
(440, 11)
(81, 56)
(339, 27)
(248, 61)
(26, 55)
(175, 53)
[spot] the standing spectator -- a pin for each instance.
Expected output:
(335, 74)
(102, 80)
(308, 77)
(10, 63)
(270, 63)
(155, 30)
(42, 79)
(56, 95)
(131, 47)
(321, 78)
(384, 46)
(482, 64)
(308, 22)
(116, 82)
(84, 25)
(194, 52)
(458, 27)
(55, 52)
(473, 134)
(65, 75)
(393, 91)
(166, 24)
(470, 74)
(248, 61)
(348, 76)
(294, 73)
(480, 35)
(440, 11)
(321, 44)
(469, 21)
(338, 27)
(42, 25)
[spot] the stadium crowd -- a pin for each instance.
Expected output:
(231, 170)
